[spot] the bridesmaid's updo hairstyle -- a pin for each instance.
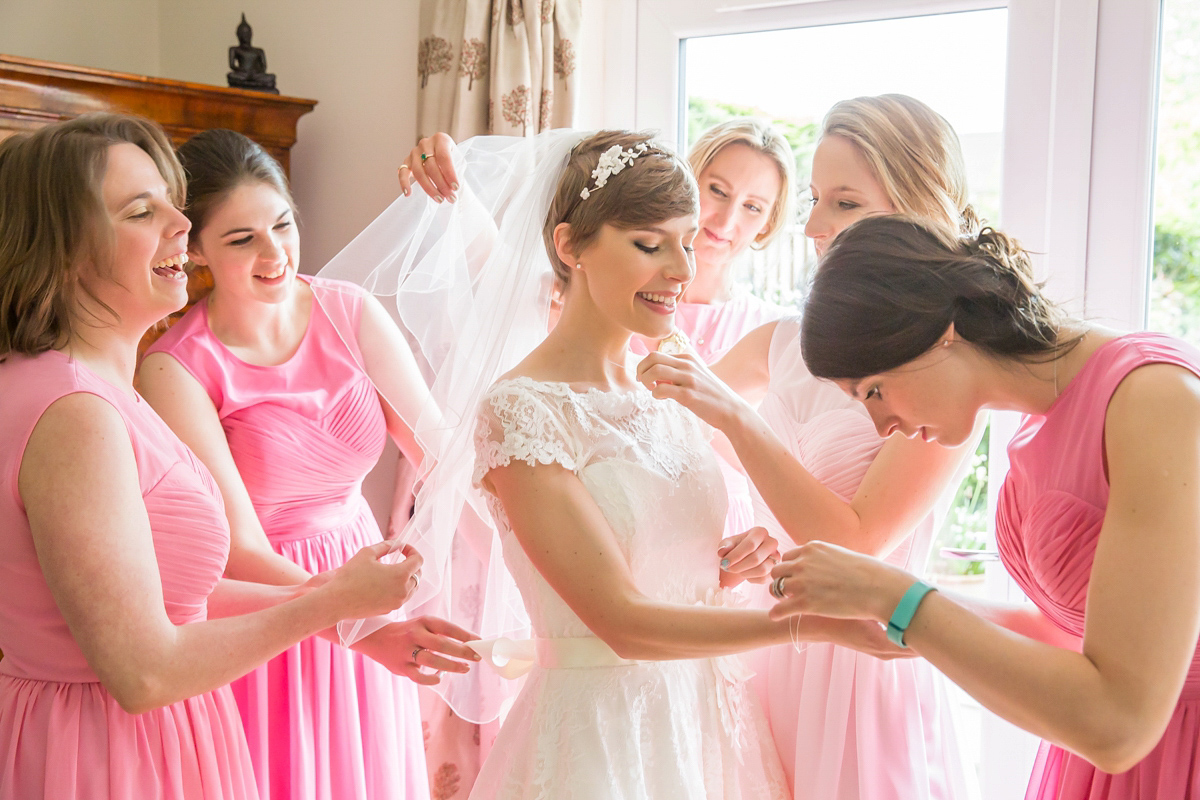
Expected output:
(890, 286)
(218, 161)
(655, 187)
(914, 154)
(53, 221)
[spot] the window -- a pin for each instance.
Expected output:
(1174, 304)
(794, 76)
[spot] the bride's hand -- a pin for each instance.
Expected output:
(748, 556)
(687, 380)
(862, 635)
(431, 165)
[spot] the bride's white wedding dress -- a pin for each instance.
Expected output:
(588, 724)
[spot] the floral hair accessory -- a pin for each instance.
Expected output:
(612, 161)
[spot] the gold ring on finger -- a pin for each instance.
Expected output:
(777, 587)
(424, 157)
(403, 166)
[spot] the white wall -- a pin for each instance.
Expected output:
(117, 35)
(357, 60)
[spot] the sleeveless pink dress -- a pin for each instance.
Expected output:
(713, 329)
(62, 736)
(323, 722)
(849, 726)
(1048, 521)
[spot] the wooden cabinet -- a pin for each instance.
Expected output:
(34, 93)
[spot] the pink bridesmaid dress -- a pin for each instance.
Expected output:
(713, 329)
(849, 726)
(62, 736)
(323, 722)
(1048, 521)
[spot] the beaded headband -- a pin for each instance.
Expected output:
(612, 161)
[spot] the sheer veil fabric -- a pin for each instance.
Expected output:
(470, 284)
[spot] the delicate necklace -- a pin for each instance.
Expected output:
(1056, 357)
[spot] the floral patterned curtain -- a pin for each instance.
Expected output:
(497, 66)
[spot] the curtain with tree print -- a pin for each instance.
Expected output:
(497, 66)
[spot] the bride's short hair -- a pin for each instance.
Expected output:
(654, 187)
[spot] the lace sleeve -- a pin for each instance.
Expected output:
(522, 420)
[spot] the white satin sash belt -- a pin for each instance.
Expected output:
(512, 658)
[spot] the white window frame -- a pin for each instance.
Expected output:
(1080, 110)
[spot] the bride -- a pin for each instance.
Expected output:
(609, 504)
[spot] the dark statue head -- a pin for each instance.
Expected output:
(244, 32)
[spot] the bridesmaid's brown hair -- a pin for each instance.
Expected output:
(53, 220)
(655, 187)
(890, 286)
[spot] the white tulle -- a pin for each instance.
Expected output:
(469, 283)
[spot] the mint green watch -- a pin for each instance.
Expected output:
(906, 609)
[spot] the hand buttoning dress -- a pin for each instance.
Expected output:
(323, 722)
(62, 735)
(588, 725)
(712, 329)
(849, 726)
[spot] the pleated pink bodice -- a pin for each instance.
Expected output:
(1048, 520)
(61, 734)
(304, 433)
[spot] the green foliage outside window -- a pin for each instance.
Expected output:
(966, 522)
(1175, 285)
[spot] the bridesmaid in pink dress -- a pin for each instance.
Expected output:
(847, 726)
(1098, 520)
(271, 380)
(119, 633)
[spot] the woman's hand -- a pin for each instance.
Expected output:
(748, 556)
(366, 586)
(830, 581)
(687, 380)
(425, 642)
(431, 165)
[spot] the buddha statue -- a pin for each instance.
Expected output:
(249, 64)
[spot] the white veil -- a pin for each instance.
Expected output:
(470, 285)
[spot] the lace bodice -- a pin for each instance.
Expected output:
(646, 463)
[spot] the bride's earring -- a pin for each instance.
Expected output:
(579, 266)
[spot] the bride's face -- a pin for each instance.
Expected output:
(634, 277)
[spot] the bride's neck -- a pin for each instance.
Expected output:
(589, 348)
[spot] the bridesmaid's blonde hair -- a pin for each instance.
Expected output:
(760, 137)
(914, 154)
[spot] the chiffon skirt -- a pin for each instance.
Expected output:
(322, 721)
(72, 741)
(851, 727)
